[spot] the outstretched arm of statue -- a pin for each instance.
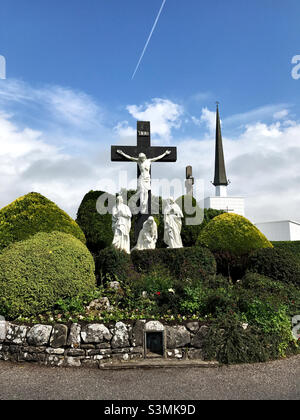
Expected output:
(120, 152)
(168, 152)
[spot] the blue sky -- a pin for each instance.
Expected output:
(240, 51)
(69, 67)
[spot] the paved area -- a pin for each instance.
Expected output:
(274, 380)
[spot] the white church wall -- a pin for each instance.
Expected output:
(229, 204)
(295, 231)
(283, 230)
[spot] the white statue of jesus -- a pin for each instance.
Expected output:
(144, 180)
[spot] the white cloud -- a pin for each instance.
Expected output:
(163, 114)
(73, 107)
(280, 115)
(126, 133)
(64, 105)
(256, 115)
(208, 118)
(68, 154)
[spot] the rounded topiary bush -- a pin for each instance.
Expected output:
(31, 214)
(195, 263)
(276, 263)
(232, 233)
(96, 227)
(37, 272)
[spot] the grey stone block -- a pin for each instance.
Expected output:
(39, 335)
(197, 340)
(95, 333)
(59, 336)
(16, 334)
(121, 336)
(177, 336)
(74, 338)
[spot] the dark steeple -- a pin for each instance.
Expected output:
(220, 171)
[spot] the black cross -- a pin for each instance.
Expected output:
(143, 146)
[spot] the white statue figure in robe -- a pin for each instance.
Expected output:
(121, 225)
(144, 180)
(172, 224)
(147, 236)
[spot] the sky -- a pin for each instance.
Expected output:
(69, 95)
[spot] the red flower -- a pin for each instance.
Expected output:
(158, 293)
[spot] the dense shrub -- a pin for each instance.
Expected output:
(112, 264)
(204, 300)
(231, 265)
(291, 246)
(261, 283)
(227, 342)
(37, 272)
(232, 233)
(96, 227)
(31, 214)
(195, 263)
(275, 263)
(157, 280)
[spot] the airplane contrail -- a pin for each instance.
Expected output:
(149, 38)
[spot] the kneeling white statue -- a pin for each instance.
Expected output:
(173, 224)
(121, 225)
(147, 236)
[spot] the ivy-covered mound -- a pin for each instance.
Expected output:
(232, 233)
(31, 214)
(96, 227)
(37, 272)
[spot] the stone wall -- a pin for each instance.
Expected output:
(94, 344)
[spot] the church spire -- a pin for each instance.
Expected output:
(220, 181)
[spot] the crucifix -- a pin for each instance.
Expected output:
(144, 155)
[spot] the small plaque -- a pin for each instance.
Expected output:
(143, 133)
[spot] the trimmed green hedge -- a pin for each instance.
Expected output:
(183, 263)
(291, 246)
(276, 263)
(232, 233)
(31, 214)
(113, 264)
(37, 272)
(96, 227)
